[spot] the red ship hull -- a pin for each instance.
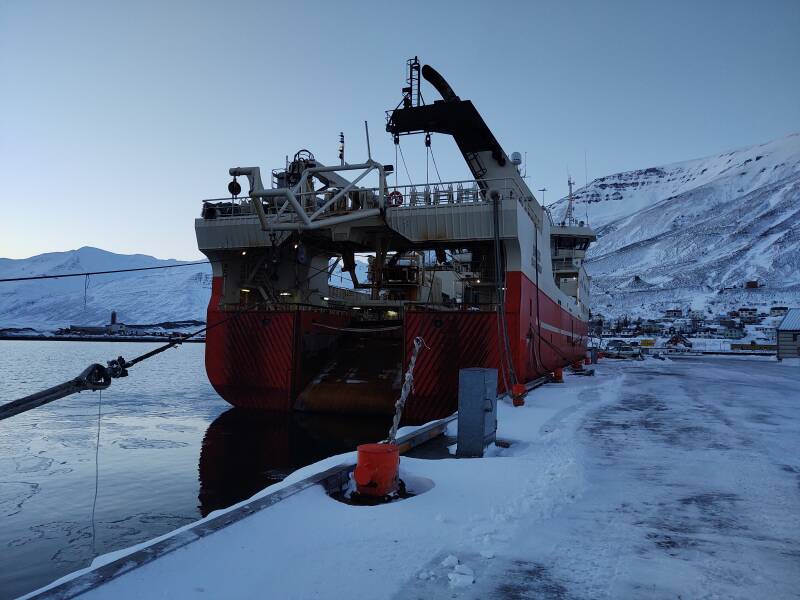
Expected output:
(264, 359)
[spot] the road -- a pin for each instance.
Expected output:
(691, 490)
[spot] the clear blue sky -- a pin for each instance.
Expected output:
(117, 118)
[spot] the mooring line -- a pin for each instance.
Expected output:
(96, 468)
(96, 377)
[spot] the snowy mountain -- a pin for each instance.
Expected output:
(143, 297)
(139, 297)
(691, 234)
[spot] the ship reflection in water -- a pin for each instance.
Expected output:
(244, 451)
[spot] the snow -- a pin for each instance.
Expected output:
(690, 229)
(657, 479)
(139, 297)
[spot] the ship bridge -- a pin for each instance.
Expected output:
(569, 241)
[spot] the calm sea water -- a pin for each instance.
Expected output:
(171, 451)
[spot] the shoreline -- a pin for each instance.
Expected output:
(98, 338)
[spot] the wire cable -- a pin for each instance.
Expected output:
(88, 273)
(435, 166)
(405, 166)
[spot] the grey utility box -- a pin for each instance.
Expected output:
(477, 411)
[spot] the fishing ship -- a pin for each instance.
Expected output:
(477, 269)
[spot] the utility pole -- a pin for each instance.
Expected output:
(543, 190)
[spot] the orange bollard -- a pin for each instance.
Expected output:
(376, 472)
(518, 391)
(558, 375)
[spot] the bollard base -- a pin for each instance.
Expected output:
(376, 473)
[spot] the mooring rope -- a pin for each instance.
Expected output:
(96, 377)
(408, 385)
(96, 469)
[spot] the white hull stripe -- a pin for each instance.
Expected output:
(569, 334)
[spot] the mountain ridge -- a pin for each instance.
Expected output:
(696, 231)
(174, 294)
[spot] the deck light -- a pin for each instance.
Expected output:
(477, 281)
(325, 298)
(286, 293)
(245, 290)
(356, 308)
(244, 252)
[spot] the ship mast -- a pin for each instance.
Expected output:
(568, 217)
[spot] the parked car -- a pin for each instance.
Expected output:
(622, 349)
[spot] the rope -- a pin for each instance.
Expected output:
(96, 377)
(96, 468)
(408, 384)
(88, 273)
(405, 166)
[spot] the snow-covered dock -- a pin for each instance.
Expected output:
(653, 479)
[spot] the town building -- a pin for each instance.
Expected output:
(789, 335)
(748, 315)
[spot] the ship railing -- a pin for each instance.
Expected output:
(466, 191)
(334, 205)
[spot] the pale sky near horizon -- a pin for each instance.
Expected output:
(118, 118)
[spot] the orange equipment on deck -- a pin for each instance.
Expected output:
(376, 472)
(518, 391)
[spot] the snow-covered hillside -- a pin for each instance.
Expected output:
(677, 235)
(138, 297)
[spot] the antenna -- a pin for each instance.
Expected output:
(568, 215)
(366, 130)
(585, 169)
(341, 147)
(586, 181)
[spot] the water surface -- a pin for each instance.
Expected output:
(171, 451)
